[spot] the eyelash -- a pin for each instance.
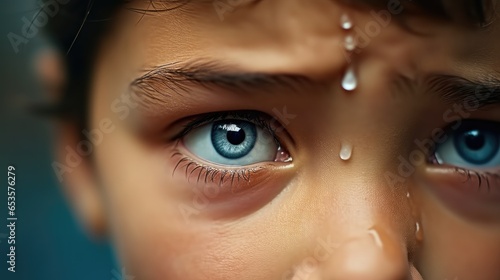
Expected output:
(250, 116)
(483, 177)
(212, 174)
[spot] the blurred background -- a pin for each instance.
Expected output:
(49, 242)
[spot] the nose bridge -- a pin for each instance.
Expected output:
(374, 235)
(375, 247)
(370, 255)
(365, 199)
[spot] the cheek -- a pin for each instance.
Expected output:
(453, 247)
(153, 238)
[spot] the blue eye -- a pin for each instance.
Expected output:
(475, 144)
(232, 142)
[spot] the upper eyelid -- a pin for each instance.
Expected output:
(450, 128)
(259, 118)
(473, 122)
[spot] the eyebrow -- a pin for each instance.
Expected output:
(459, 90)
(177, 77)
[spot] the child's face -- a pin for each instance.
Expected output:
(224, 163)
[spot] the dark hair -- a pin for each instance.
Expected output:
(77, 31)
(79, 27)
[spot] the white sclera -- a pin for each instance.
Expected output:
(199, 142)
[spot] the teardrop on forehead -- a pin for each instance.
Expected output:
(350, 81)
(345, 151)
(345, 22)
(349, 43)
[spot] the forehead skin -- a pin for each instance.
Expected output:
(280, 34)
(292, 37)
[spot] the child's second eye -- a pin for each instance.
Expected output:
(475, 144)
(232, 142)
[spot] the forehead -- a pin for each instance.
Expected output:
(286, 32)
(473, 11)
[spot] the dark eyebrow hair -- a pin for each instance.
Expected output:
(455, 89)
(480, 13)
(177, 77)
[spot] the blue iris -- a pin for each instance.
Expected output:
(233, 139)
(477, 146)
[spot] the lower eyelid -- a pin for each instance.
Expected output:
(228, 196)
(196, 172)
(471, 195)
(487, 183)
(199, 172)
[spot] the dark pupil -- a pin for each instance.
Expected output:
(474, 140)
(236, 137)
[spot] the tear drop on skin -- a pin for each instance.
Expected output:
(345, 22)
(418, 232)
(349, 43)
(376, 238)
(349, 82)
(345, 151)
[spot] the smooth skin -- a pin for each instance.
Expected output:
(314, 216)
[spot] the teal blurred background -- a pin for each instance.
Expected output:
(49, 243)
